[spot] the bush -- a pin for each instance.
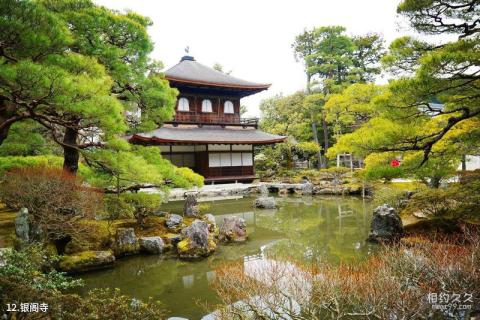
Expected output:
(23, 280)
(50, 161)
(131, 205)
(433, 203)
(393, 284)
(54, 199)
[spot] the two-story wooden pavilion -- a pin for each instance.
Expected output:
(207, 133)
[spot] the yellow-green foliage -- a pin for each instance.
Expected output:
(99, 237)
(10, 162)
(395, 193)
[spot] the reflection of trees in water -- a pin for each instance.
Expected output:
(331, 228)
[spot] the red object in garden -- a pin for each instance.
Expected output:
(395, 163)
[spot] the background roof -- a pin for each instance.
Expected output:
(190, 71)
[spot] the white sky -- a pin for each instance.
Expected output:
(253, 38)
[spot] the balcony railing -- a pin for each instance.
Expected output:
(214, 119)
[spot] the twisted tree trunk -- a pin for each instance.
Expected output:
(70, 151)
(7, 118)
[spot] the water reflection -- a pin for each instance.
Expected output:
(303, 228)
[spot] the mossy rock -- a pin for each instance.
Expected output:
(86, 261)
(187, 250)
(126, 242)
(99, 236)
(153, 226)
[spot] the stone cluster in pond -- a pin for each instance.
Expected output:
(188, 237)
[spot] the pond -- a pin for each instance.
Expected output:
(329, 228)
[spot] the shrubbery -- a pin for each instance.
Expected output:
(54, 198)
(460, 201)
(393, 284)
(24, 278)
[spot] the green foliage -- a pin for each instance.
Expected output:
(433, 203)
(352, 107)
(50, 161)
(377, 167)
(24, 277)
(307, 149)
(431, 112)
(25, 139)
(24, 267)
(337, 58)
(286, 116)
(83, 73)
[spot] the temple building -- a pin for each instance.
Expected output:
(207, 133)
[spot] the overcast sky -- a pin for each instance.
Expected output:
(253, 38)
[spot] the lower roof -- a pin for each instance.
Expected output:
(192, 134)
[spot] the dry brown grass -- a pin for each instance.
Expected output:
(393, 284)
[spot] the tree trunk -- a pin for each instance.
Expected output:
(6, 114)
(435, 182)
(326, 143)
(314, 129)
(70, 152)
(315, 138)
(464, 163)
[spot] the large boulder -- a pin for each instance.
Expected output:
(152, 245)
(198, 241)
(190, 208)
(173, 221)
(265, 203)
(22, 228)
(233, 229)
(386, 225)
(126, 242)
(86, 261)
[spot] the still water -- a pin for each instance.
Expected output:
(305, 228)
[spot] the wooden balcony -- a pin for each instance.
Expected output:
(213, 119)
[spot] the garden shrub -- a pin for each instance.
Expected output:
(56, 200)
(22, 279)
(433, 203)
(131, 205)
(393, 284)
(50, 161)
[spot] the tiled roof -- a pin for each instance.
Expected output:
(190, 71)
(191, 134)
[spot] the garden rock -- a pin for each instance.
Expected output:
(3, 252)
(210, 219)
(265, 203)
(126, 242)
(86, 261)
(307, 188)
(190, 208)
(152, 245)
(173, 221)
(21, 226)
(197, 242)
(386, 225)
(233, 229)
